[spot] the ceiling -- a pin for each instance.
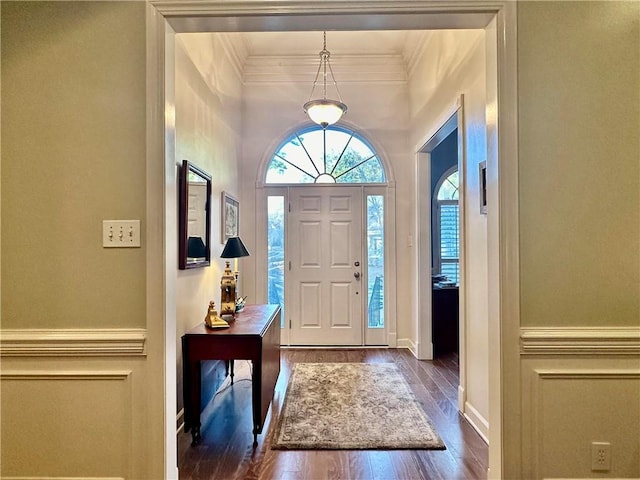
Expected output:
(389, 42)
(387, 56)
(259, 56)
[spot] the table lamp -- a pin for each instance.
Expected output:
(234, 248)
(196, 248)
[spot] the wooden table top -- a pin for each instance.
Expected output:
(252, 320)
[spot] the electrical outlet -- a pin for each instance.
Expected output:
(600, 456)
(120, 233)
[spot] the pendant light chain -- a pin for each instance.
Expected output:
(325, 112)
(324, 55)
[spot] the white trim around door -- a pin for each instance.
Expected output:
(499, 20)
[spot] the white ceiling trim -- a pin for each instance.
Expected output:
(236, 51)
(346, 69)
(413, 54)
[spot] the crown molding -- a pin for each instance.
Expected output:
(414, 50)
(346, 69)
(72, 342)
(580, 340)
(236, 50)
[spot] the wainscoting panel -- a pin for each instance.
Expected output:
(66, 423)
(74, 404)
(571, 401)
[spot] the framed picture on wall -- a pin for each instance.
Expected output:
(230, 216)
(483, 187)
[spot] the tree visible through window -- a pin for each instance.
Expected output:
(447, 224)
(331, 155)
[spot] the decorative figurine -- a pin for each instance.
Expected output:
(240, 303)
(212, 320)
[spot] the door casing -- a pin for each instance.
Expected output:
(498, 18)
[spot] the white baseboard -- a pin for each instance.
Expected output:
(408, 343)
(477, 421)
(462, 398)
(425, 351)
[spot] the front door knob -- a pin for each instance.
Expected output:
(357, 275)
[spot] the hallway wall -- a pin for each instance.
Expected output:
(579, 181)
(75, 380)
(434, 94)
(208, 126)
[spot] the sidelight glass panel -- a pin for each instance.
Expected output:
(375, 261)
(275, 252)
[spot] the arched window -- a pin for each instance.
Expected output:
(331, 155)
(449, 188)
(447, 251)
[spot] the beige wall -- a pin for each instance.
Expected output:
(579, 155)
(73, 114)
(73, 145)
(74, 391)
(579, 181)
(208, 135)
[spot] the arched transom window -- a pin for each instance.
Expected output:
(446, 234)
(331, 155)
(449, 188)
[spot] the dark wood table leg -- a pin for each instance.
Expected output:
(186, 385)
(228, 369)
(195, 391)
(256, 397)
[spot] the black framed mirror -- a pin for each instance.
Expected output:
(194, 246)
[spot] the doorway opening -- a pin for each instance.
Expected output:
(441, 227)
(499, 20)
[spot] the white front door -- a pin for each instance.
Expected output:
(325, 277)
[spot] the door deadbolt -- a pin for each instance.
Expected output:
(357, 264)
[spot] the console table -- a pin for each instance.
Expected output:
(254, 335)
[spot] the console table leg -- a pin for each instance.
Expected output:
(195, 436)
(228, 369)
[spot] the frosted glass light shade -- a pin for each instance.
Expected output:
(325, 112)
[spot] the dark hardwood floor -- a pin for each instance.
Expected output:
(226, 450)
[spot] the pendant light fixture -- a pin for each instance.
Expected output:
(323, 111)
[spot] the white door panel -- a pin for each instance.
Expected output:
(325, 235)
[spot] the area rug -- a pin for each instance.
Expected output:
(352, 406)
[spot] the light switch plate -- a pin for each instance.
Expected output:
(120, 233)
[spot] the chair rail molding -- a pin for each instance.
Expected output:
(580, 340)
(72, 342)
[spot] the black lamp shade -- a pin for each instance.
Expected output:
(234, 248)
(196, 247)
